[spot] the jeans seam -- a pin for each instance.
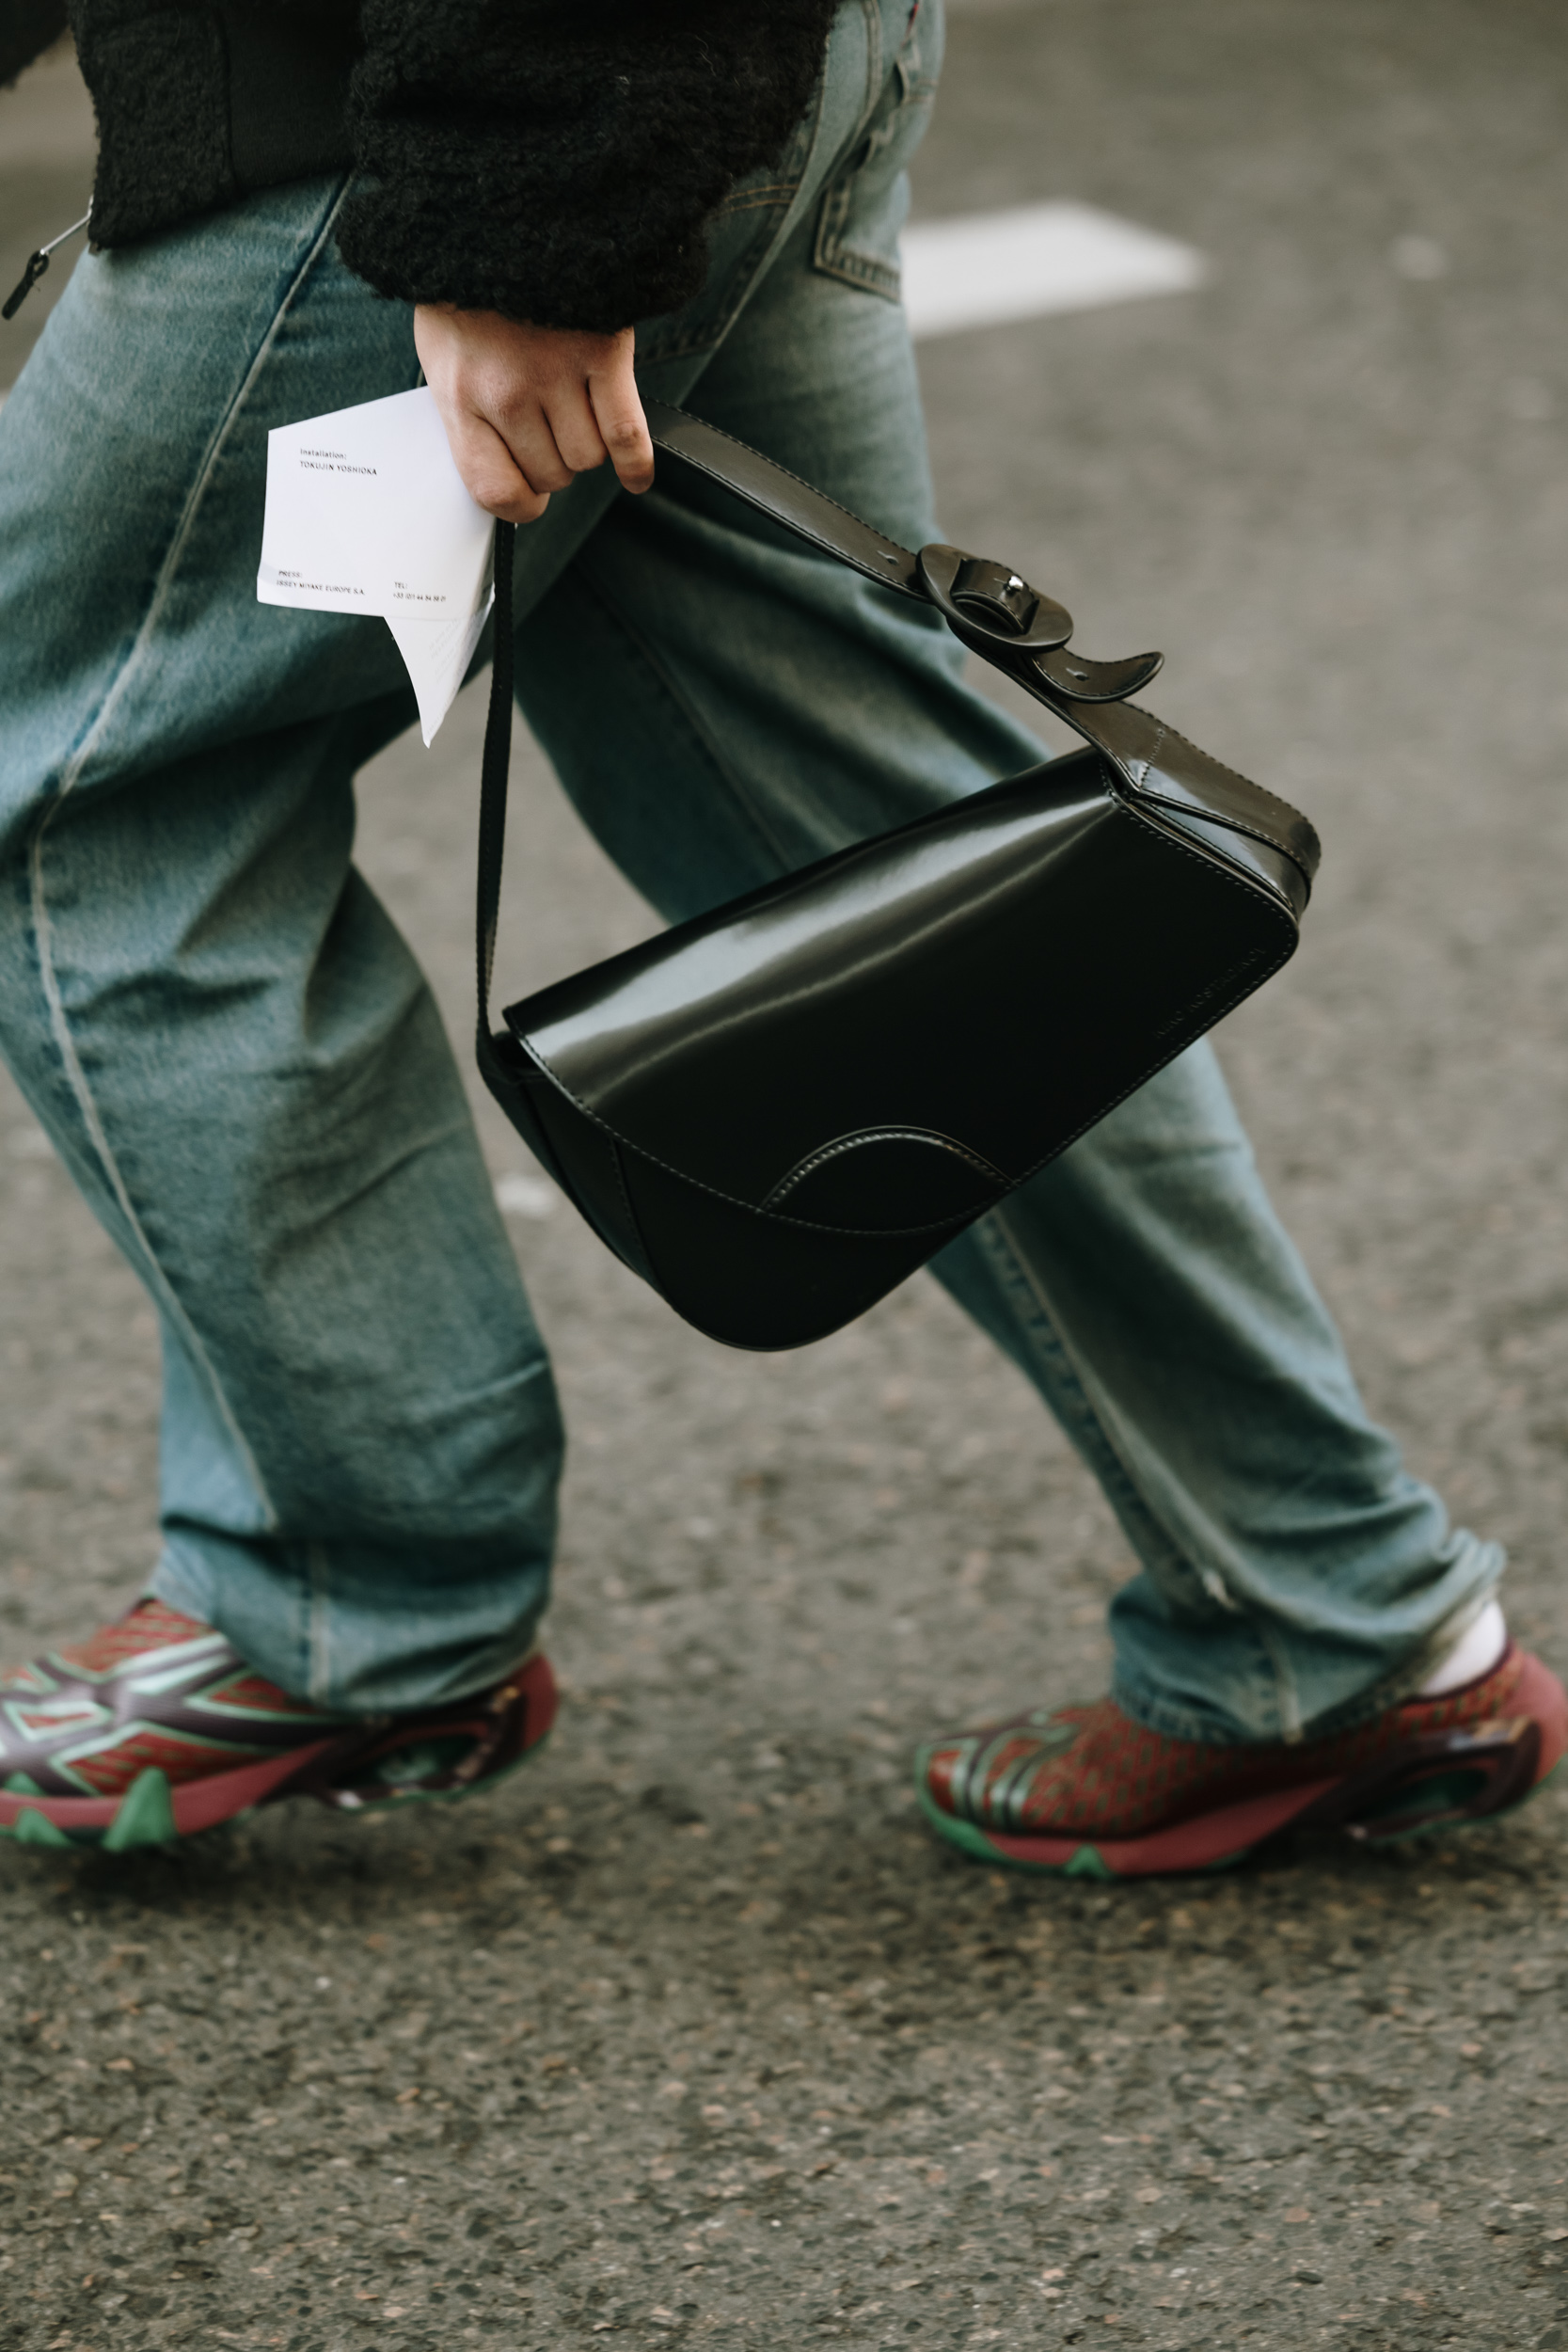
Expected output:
(874, 74)
(1121, 1489)
(866, 272)
(42, 928)
(168, 1298)
(1287, 1696)
(318, 1633)
(1110, 1470)
(759, 199)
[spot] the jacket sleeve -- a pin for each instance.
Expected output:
(27, 29)
(558, 160)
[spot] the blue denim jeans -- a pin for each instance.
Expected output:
(242, 1066)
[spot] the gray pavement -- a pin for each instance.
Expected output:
(690, 2035)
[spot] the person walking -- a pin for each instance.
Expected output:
(550, 211)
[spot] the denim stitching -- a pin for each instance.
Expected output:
(58, 1022)
(867, 273)
(167, 1296)
(864, 272)
(875, 75)
(839, 188)
(1175, 738)
(745, 200)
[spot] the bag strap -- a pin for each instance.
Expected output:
(495, 768)
(786, 499)
(777, 492)
(990, 609)
(1018, 630)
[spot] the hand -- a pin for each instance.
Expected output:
(527, 408)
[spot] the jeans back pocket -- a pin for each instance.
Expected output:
(865, 205)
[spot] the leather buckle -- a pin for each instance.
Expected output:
(990, 592)
(979, 598)
(995, 612)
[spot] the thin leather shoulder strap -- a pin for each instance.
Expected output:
(820, 520)
(775, 491)
(1090, 696)
(494, 772)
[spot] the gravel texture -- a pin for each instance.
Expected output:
(689, 2034)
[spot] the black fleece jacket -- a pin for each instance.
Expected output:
(557, 160)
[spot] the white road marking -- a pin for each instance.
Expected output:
(525, 1196)
(1034, 260)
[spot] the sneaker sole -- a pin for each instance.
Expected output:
(1212, 1841)
(151, 1812)
(1222, 1839)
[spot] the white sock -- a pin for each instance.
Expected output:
(1476, 1652)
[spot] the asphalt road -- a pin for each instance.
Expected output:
(690, 2036)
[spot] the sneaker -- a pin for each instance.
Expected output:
(1087, 1793)
(156, 1727)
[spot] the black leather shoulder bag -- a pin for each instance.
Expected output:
(777, 1111)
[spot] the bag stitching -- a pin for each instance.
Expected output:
(1291, 810)
(802, 483)
(1253, 831)
(1231, 824)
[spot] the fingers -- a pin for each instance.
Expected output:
(587, 392)
(568, 416)
(491, 474)
(456, 352)
(528, 408)
(618, 412)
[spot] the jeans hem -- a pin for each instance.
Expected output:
(1395, 1684)
(1401, 1681)
(169, 1584)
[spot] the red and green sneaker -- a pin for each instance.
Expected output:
(154, 1728)
(1086, 1792)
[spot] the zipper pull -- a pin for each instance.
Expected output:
(36, 264)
